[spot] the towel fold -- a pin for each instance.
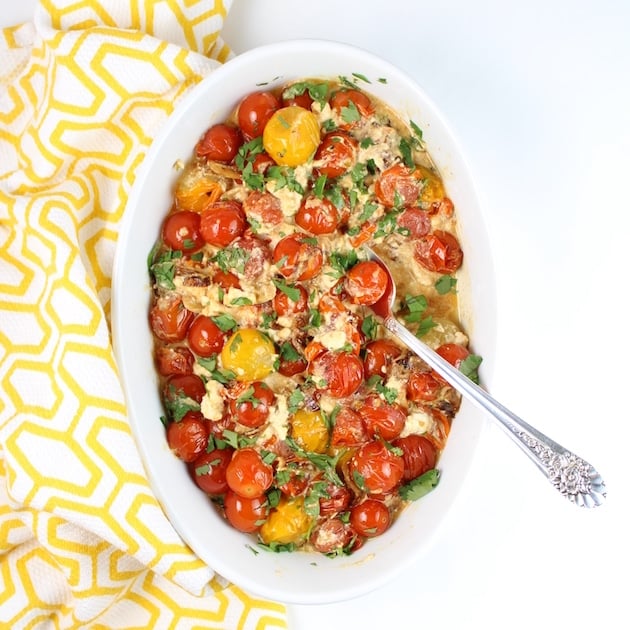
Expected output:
(83, 540)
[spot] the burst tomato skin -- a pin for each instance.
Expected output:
(317, 216)
(382, 419)
(379, 469)
(349, 428)
(220, 142)
(338, 373)
(423, 386)
(208, 470)
(331, 535)
(379, 356)
(174, 360)
(366, 283)
(416, 221)
(247, 474)
(188, 437)
(337, 501)
(169, 320)
(298, 259)
(287, 306)
(440, 252)
(419, 455)
(222, 222)
(397, 185)
(245, 515)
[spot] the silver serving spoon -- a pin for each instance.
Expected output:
(572, 476)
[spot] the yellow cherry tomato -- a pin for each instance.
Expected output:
(288, 523)
(250, 354)
(291, 135)
(309, 430)
(432, 188)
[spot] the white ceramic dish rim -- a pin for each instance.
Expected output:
(291, 578)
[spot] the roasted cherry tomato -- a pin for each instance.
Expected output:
(188, 437)
(309, 430)
(181, 231)
(375, 468)
(244, 514)
(423, 386)
(250, 403)
(297, 258)
(291, 302)
(381, 418)
(338, 373)
(349, 428)
(221, 142)
(379, 356)
(204, 337)
(174, 360)
(440, 252)
(351, 105)
(335, 500)
(317, 216)
(418, 453)
(254, 111)
(222, 222)
(337, 154)
(184, 386)
(263, 207)
(292, 363)
(454, 353)
(250, 354)
(208, 470)
(370, 518)
(417, 222)
(226, 280)
(366, 282)
(247, 474)
(287, 523)
(291, 135)
(331, 536)
(397, 186)
(169, 319)
(301, 100)
(432, 188)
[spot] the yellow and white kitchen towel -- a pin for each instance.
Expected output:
(83, 541)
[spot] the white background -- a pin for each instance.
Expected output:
(538, 94)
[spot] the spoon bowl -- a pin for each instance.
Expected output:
(572, 476)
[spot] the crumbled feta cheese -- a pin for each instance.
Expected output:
(212, 404)
(417, 422)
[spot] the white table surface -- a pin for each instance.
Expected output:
(538, 93)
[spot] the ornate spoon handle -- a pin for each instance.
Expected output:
(572, 476)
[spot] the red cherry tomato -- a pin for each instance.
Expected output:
(296, 484)
(317, 216)
(419, 455)
(303, 100)
(349, 428)
(370, 518)
(351, 105)
(297, 258)
(254, 111)
(221, 143)
(204, 337)
(264, 207)
(247, 474)
(184, 386)
(366, 283)
(169, 319)
(439, 252)
(256, 254)
(246, 515)
(376, 469)
(423, 386)
(262, 162)
(222, 222)
(174, 360)
(188, 438)
(331, 535)
(454, 353)
(336, 154)
(415, 220)
(379, 356)
(181, 231)
(397, 186)
(208, 470)
(337, 500)
(250, 403)
(285, 305)
(382, 418)
(226, 280)
(292, 366)
(338, 373)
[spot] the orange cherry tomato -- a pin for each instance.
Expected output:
(377, 469)
(382, 418)
(317, 216)
(208, 470)
(379, 356)
(366, 282)
(204, 337)
(181, 231)
(222, 222)
(370, 518)
(188, 437)
(397, 186)
(336, 154)
(246, 515)
(220, 142)
(254, 111)
(439, 252)
(338, 373)
(419, 455)
(250, 403)
(247, 474)
(297, 258)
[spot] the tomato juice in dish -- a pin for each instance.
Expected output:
(294, 409)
